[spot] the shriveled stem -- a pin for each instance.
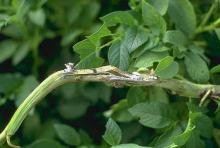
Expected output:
(106, 74)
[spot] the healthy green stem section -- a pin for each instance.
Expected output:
(106, 74)
(210, 27)
(42, 90)
(209, 13)
(202, 28)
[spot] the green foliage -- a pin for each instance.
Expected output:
(153, 114)
(149, 58)
(194, 61)
(183, 15)
(44, 143)
(153, 19)
(113, 133)
(167, 68)
(118, 55)
(129, 145)
(122, 17)
(161, 6)
(215, 69)
(67, 134)
(177, 39)
(8, 47)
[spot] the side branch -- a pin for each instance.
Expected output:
(107, 74)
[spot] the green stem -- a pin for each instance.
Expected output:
(209, 13)
(42, 90)
(210, 27)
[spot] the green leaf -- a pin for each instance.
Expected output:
(86, 139)
(92, 41)
(32, 126)
(90, 61)
(4, 19)
(118, 17)
(45, 143)
(153, 19)
(167, 68)
(80, 108)
(164, 63)
(84, 48)
(134, 38)
(160, 49)
(22, 7)
(13, 31)
(165, 140)
(9, 82)
(153, 114)
(136, 95)
(215, 69)
(37, 17)
(217, 31)
(7, 47)
(196, 68)
(175, 37)
(148, 58)
(158, 94)
(195, 141)
(216, 135)
(67, 134)
(151, 44)
(182, 14)
(87, 51)
(130, 145)
(105, 93)
(118, 55)
(199, 51)
(181, 139)
(20, 53)
(119, 111)
(170, 71)
(102, 32)
(89, 47)
(205, 126)
(113, 133)
(161, 6)
(29, 84)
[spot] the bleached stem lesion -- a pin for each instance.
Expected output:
(107, 74)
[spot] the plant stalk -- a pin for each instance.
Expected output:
(106, 74)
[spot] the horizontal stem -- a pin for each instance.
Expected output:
(106, 74)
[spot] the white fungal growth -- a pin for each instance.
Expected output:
(153, 77)
(136, 76)
(69, 67)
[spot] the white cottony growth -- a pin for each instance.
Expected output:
(69, 67)
(136, 76)
(153, 77)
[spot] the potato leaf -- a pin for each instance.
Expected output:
(67, 134)
(183, 15)
(113, 133)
